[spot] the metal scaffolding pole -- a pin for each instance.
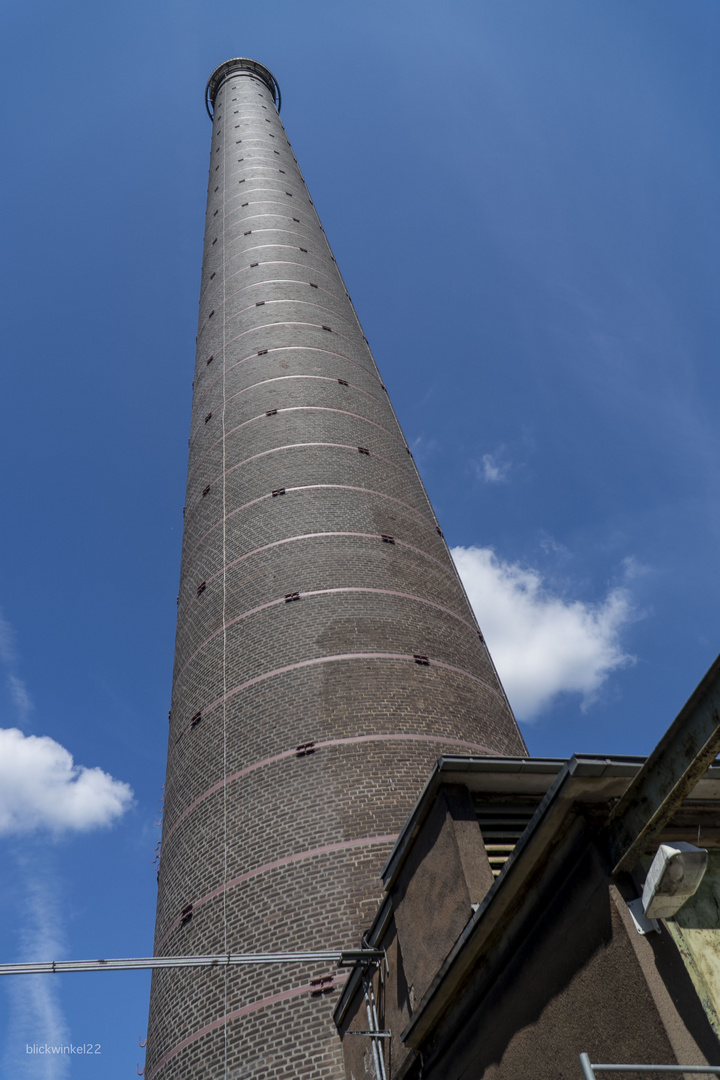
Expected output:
(589, 1068)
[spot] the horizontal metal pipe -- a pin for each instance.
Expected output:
(658, 1068)
(373, 1034)
(344, 958)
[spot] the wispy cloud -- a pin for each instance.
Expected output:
(633, 569)
(424, 449)
(8, 653)
(42, 788)
(551, 546)
(35, 1014)
(543, 644)
(19, 695)
(494, 468)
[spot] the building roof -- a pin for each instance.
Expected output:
(566, 790)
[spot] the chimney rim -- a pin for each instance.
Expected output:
(240, 65)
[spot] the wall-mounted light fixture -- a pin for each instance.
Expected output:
(673, 877)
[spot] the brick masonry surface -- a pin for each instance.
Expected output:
(318, 605)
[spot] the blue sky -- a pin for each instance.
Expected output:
(522, 197)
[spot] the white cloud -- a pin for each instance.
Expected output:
(542, 644)
(42, 788)
(35, 1013)
(493, 470)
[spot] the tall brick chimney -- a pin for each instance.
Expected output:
(326, 653)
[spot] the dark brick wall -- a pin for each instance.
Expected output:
(275, 850)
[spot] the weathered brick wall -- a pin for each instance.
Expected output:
(276, 849)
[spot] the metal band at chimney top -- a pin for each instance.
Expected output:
(240, 66)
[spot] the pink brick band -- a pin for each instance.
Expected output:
(263, 1003)
(276, 864)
